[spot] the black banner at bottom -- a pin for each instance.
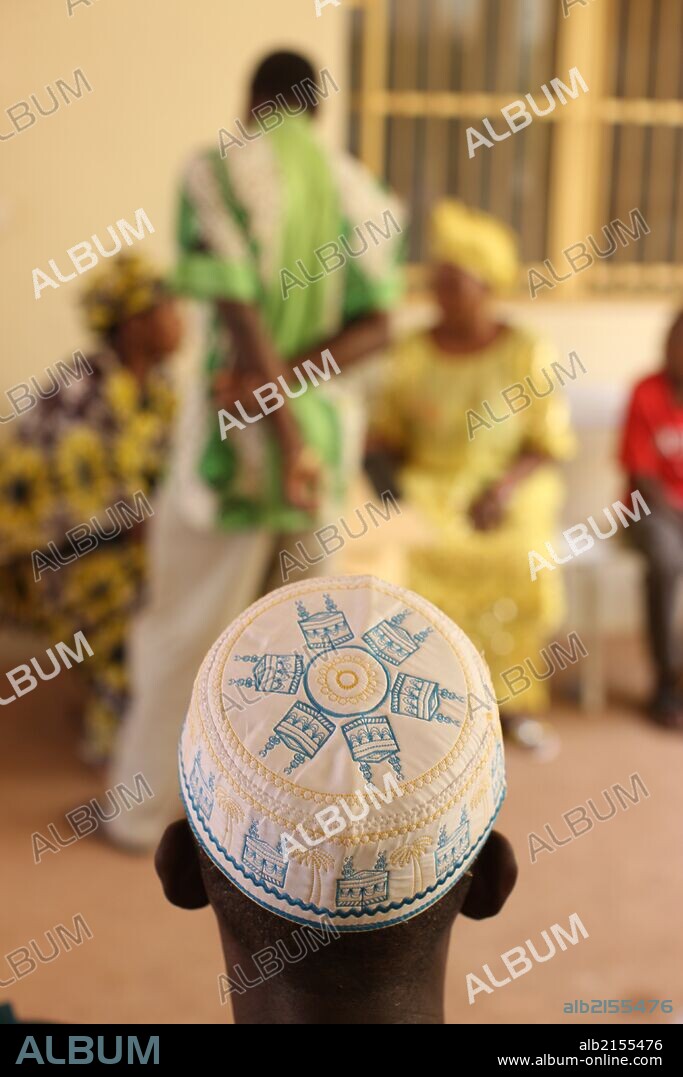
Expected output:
(514, 1047)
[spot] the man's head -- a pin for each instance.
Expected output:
(357, 791)
(130, 308)
(395, 958)
(280, 73)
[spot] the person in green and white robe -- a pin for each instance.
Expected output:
(261, 216)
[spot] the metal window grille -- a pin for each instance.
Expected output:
(423, 71)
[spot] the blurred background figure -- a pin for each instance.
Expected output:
(652, 456)
(488, 488)
(234, 502)
(68, 461)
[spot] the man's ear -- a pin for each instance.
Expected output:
(177, 865)
(494, 875)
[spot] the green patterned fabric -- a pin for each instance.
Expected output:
(224, 254)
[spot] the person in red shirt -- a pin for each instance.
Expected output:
(652, 455)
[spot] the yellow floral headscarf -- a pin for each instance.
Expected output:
(126, 286)
(475, 242)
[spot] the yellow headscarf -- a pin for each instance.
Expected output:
(475, 242)
(126, 286)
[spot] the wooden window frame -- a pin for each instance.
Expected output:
(585, 38)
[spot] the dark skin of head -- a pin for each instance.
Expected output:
(392, 975)
(468, 322)
(277, 74)
(145, 340)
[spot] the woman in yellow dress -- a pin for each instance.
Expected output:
(483, 478)
(100, 437)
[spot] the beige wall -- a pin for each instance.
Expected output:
(165, 74)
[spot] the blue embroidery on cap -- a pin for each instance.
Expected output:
(388, 640)
(347, 682)
(303, 730)
(371, 740)
(272, 672)
(444, 718)
(450, 850)
(451, 875)
(415, 697)
(202, 788)
(326, 629)
(263, 860)
(359, 889)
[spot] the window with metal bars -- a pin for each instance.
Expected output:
(423, 71)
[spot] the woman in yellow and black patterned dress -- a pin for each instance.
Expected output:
(102, 438)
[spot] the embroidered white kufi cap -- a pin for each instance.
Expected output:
(342, 761)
